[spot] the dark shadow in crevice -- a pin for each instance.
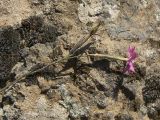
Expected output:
(34, 30)
(102, 65)
(129, 94)
(118, 85)
(12, 40)
(9, 47)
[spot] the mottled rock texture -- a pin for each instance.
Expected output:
(34, 33)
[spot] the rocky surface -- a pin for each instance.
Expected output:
(34, 33)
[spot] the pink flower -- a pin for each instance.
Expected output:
(132, 55)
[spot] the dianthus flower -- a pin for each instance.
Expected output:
(132, 55)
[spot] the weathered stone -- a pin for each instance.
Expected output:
(153, 110)
(11, 112)
(123, 117)
(1, 113)
(152, 84)
(76, 110)
(101, 101)
(9, 47)
(43, 31)
(36, 58)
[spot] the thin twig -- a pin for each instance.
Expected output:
(74, 50)
(81, 42)
(9, 86)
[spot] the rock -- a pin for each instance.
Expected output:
(143, 109)
(34, 30)
(103, 116)
(76, 110)
(99, 80)
(53, 94)
(123, 117)
(8, 100)
(92, 11)
(36, 2)
(129, 90)
(43, 111)
(153, 110)
(1, 113)
(39, 32)
(37, 56)
(101, 101)
(43, 84)
(11, 112)
(152, 84)
(9, 47)
(20, 97)
(152, 113)
(87, 13)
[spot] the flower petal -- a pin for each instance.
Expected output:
(131, 67)
(132, 55)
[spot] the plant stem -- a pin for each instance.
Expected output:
(108, 57)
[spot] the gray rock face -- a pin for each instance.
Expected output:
(124, 19)
(151, 93)
(123, 117)
(11, 112)
(35, 57)
(43, 111)
(38, 32)
(9, 47)
(76, 110)
(152, 84)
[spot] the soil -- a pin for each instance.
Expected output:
(37, 34)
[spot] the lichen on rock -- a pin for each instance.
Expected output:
(35, 33)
